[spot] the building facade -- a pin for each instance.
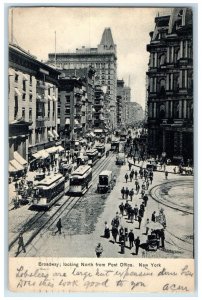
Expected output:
(170, 85)
(103, 59)
(32, 94)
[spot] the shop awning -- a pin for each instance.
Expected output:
(51, 150)
(17, 92)
(11, 169)
(58, 121)
(67, 121)
(20, 159)
(50, 134)
(43, 153)
(16, 165)
(36, 155)
(60, 149)
(55, 133)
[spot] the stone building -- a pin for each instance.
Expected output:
(103, 59)
(123, 97)
(32, 101)
(170, 85)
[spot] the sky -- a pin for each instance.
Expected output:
(34, 30)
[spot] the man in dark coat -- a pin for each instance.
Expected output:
(137, 245)
(123, 192)
(21, 243)
(145, 199)
(126, 177)
(131, 238)
(153, 217)
(114, 233)
(139, 220)
(121, 207)
(59, 226)
(135, 212)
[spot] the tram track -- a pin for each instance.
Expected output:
(67, 203)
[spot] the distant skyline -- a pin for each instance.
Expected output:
(34, 30)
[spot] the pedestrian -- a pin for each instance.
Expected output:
(121, 208)
(127, 192)
(145, 199)
(135, 174)
(115, 222)
(142, 193)
(131, 238)
(129, 166)
(151, 178)
(129, 211)
(137, 245)
(123, 192)
(147, 227)
(21, 243)
(138, 188)
(114, 233)
(126, 177)
(106, 231)
(99, 250)
(126, 207)
(153, 217)
(16, 186)
(162, 238)
(132, 214)
(139, 219)
(131, 194)
(135, 212)
(59, 226)
(147, 184)
(131, 176)
(166, 174)
(121, 235)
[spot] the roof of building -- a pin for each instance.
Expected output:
(107, 38)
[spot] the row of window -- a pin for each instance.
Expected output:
(172, 109)
(173, 54)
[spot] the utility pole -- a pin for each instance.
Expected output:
(55, 49)
(11, 26)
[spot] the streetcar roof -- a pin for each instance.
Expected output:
(100, 146)
(106, 173)
(50, 179)
(81, 170)
(92, 151)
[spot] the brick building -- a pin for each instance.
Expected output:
(32, 98)
(103, 59)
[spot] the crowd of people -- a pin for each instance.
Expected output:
(132, 210)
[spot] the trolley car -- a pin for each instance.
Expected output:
(101, 150)
(106, 182)
(92, 157)
(80, 180)
(48, 190)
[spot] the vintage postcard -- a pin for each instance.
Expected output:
(101, 166)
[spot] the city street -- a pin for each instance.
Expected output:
(83, 226)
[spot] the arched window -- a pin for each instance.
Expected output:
(162, 59)
(162, 111)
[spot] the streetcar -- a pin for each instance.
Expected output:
(92, 157)
(48, 191)
(101, 150)
(80, 180)
(106, 182)
(115, 145)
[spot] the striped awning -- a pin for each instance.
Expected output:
(20, 159)
(14, 163)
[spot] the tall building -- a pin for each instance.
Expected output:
(170, 85)
(123, 97)
(134, 113)
(103, 59)
(32, 96)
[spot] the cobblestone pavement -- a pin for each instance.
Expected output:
(83, 228)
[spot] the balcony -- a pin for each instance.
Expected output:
(40, 84)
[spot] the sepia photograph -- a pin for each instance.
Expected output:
(100, 112)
